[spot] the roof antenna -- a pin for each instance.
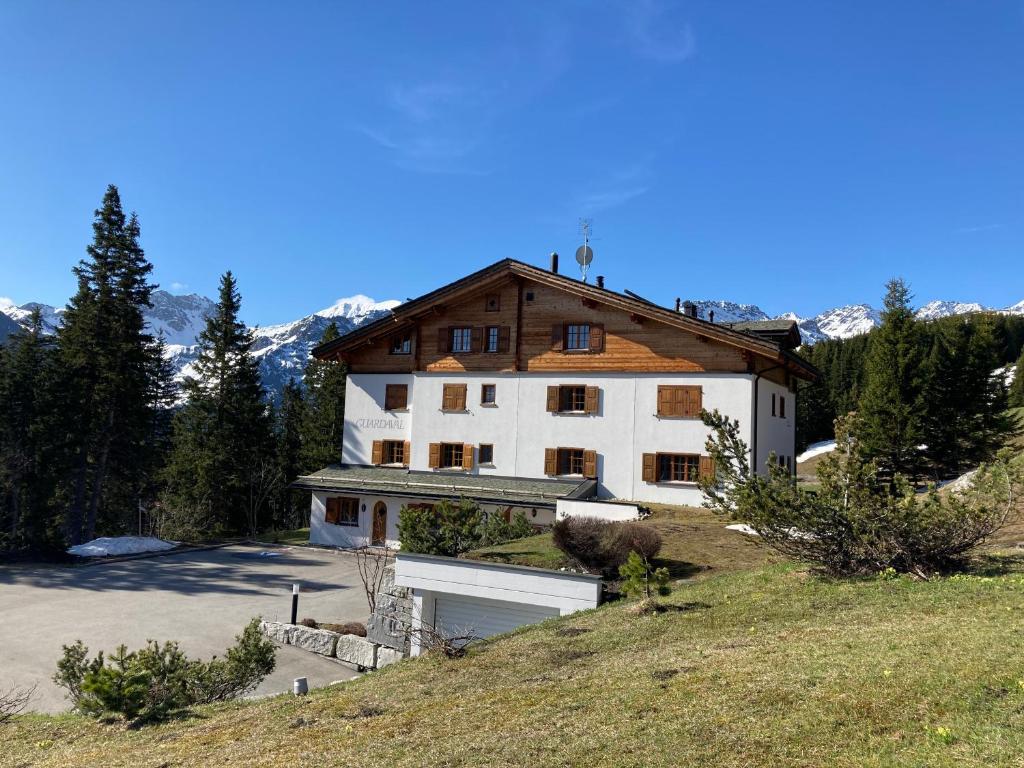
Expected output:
(584, 254)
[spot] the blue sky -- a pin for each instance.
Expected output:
(792, 155)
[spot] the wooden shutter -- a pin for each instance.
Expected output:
(434, 460)
(444, 338)
(552, 400)
(396, 396)
(378, 452)
(476, 339)
(596, 337)
(459, 394)
(467, 456)
(650, 468)
(707, 466)
(592, 399)
(556, 337)
(550, 461)
(590, 463)
(407, 453)
(332, 513)
(664, 401)
(504, 337)
(694, 401)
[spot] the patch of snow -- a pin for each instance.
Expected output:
(816, 449)
(357, 307)
(742, 528)
(121, 545)
(933, 310)
(1008, 373)
(960, 484)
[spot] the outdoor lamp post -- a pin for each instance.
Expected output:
(295, 603)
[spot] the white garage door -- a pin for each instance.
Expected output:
(458, 615)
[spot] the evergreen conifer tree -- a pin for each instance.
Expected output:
(891, 407)
(291, 504)
(325, 410)
(1017, 387)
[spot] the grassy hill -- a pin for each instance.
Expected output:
(754, 664)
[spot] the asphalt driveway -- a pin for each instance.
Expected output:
(201, 599)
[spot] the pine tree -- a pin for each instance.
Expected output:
(114, 379)
(1017, 387)
(220, 474)
(325, 410)
(891, 407)
(291, 416)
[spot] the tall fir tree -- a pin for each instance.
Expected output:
(114, 378)
(291, 505)
(1017, 386)
(325, 410)
(891, 407)
(222, 444)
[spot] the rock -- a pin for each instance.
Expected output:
(316, 640)
(390, 621)
(387, 656)
(277, 631)
(356, 650)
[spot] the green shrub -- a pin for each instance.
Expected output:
(602, 546)
(496, 530)
(151, 683)
(640, 579)
(448, 529)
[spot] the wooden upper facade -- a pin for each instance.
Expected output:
(513, 317)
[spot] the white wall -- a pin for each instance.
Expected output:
(774, 433)
(520, 428)
(605, 510)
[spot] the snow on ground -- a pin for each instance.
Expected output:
(121, 545)
(960, 484)
(816, 449)
(742, 528)
(1007, 372)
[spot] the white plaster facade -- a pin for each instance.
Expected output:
(519, 427)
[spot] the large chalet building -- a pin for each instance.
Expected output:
(524, 389)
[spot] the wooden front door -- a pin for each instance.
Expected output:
(380, 524)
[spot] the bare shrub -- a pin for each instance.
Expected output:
(347, 628)
(311, 623)
(372, 563)
(13, 702)
(601, 546)
(448, 643)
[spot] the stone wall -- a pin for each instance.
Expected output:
(350, 650)
(389, 624)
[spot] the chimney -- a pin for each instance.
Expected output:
(554, 262)
(711, 316)
(600, 281)
(689, 309)
(677, 303)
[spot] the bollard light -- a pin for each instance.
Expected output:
(300, 687)
(295, 603)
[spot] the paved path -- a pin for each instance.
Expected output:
(201, 599)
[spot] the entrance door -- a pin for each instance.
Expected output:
(380, 524)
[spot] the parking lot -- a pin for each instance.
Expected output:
(201, 599)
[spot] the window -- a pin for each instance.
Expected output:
(492, 303)
(486, 454)
(492, 338)
(451, 455)
(573, 398)
(679, 401)
(678, 468)
(453, 397)
(391, 452)
(577, 336)
(773, 403)
(461, 339)
(488, 392)
(396, 397)
(570, 461)
(394, 452)
(782, 406)
(342, 510)
(401, 344)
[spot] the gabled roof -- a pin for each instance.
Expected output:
(786, 332)
(421, 306)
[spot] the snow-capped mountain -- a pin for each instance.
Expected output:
(936, 309)
(729, 312)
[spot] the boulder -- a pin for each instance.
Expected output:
(387, 656)
(359, 651)
(277, 631)
(316, 640)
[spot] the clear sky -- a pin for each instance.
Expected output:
(789, 154)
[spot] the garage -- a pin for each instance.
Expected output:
(480, 617)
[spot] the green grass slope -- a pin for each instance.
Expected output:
(764, 667)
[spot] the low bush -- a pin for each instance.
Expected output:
(447, 529)
(347, 628)
(640, 579)
(602, 546)
(496, 530)
(149, 684)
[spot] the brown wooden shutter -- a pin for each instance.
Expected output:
(596, 337)
(695, 401)
(650, 468)
(332, 513)
(550, 461)
(590, 463)
(504, 338)
(460, 397)
(434, 460)
(592, 399)
(707, 466)
(407, 453)
(664, 401)
(476, 339)
(552, 400)
(444, 338)
(467, 456)
(378, 452)
(556, 337)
